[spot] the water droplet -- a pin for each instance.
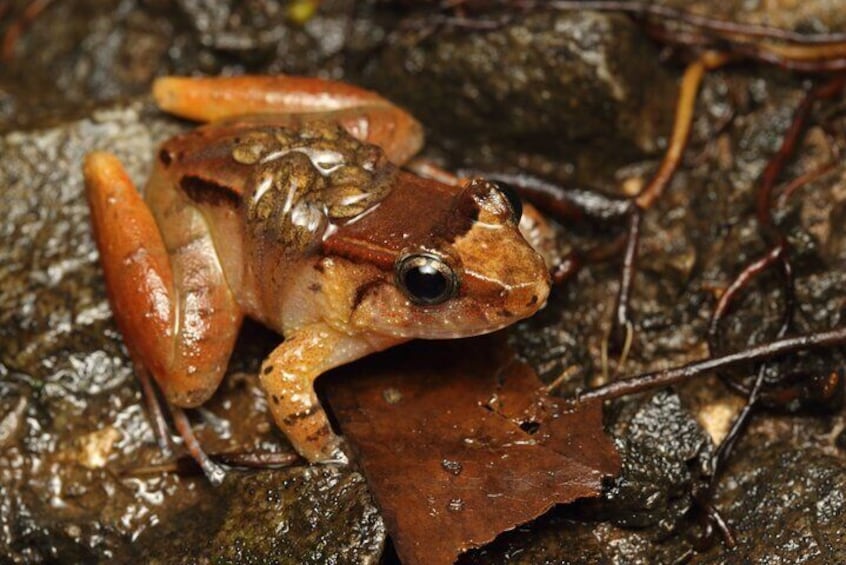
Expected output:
(391, 395)
(453, 467)
(455, 505)
(325, 162)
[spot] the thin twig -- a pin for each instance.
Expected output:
(667, 377)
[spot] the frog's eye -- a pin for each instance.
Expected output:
(513, 198)
(426, 279)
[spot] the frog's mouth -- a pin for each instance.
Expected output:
(388, 312)
(447, 333)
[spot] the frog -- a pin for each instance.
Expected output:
(291, 204)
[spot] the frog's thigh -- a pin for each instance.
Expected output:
(288, 376)
(174, 309)
(215, 98)
(365, 114)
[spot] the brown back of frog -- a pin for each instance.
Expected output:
(271, 188)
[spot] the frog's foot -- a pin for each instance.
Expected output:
(288, 376)
(213, 472)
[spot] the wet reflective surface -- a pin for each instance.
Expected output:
(73, 434)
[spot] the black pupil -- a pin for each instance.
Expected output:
(425, 282)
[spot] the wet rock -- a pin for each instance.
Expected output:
(786, 504)
(79, 55)
(551, 92)
(808, 16)
(54, 311)
(75, 56)
(665, 457)
(312, 515)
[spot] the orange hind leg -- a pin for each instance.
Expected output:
(170, 300)
(365, 114)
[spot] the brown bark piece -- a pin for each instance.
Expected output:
(435, 427)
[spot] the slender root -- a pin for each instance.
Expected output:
(691, 81)
(565, 375)
(668, 377)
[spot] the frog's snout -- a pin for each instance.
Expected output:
(528, 293)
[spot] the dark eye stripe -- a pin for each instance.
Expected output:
(204, 191)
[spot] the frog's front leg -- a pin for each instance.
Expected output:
(169, 296)
(288, 376)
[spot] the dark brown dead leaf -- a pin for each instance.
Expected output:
(436, 429)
